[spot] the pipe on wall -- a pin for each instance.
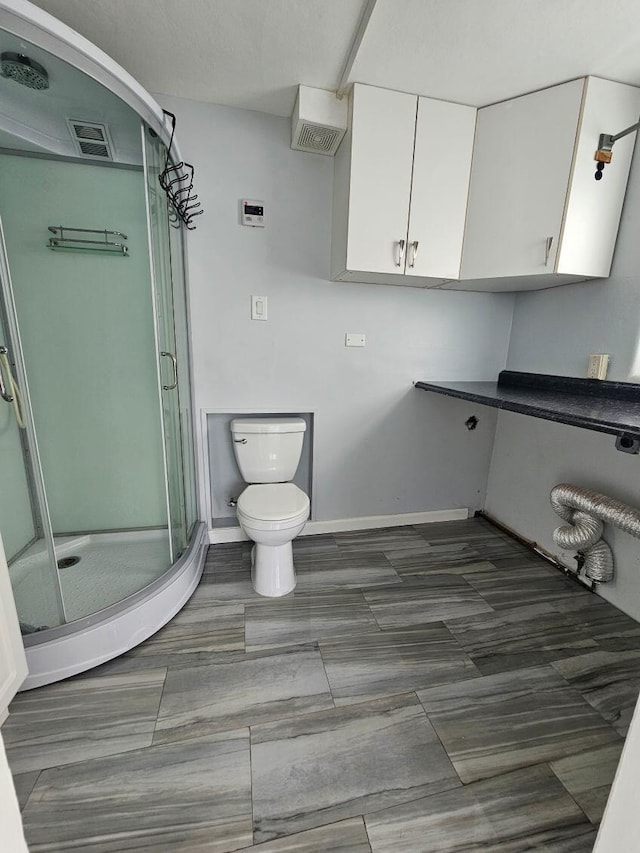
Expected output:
(587, 511)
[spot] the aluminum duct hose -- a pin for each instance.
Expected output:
(586, 511)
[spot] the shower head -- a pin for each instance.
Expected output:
(23, 70)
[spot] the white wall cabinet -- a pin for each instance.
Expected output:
(536, 216)
(400, 189)
(521, 166)
(440, 186)
(426, 196)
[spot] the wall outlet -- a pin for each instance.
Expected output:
(598, 366)
(355, 339)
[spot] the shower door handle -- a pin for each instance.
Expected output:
(8, 398)
(174, 363)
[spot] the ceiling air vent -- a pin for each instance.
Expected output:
(319, 121)
(91, 139)
(315, 137)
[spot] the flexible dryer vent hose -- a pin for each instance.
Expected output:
(586, 511)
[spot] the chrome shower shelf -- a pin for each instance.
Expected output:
(64, 238)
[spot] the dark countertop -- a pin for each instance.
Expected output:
(610, 407)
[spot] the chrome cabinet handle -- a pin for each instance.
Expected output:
(414, 254)
(547, 250)
(8, 398)
(401, 245)
(174, 363)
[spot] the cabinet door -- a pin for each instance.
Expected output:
(13, 663)
(440, 188)
(519, 179)
(383, 129)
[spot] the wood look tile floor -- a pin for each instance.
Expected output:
(428, 688)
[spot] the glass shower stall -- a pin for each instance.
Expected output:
(98, 509)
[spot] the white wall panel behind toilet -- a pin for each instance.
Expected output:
(380, 446)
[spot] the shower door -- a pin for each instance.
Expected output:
(181, 327)
(171, 342)
(24, 514)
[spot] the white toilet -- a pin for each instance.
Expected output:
(272, 511)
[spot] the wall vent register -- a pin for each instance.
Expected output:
(315, 137)
(91, 139)
(319, 121)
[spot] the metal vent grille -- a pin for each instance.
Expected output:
(94, 149)
(316, 137)
(91, 139)
(85, 131)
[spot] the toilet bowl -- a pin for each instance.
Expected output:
(272, 511)
(272, 515)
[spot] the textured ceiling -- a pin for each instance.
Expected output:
(245, 53)
(481, 51)
(253, 53)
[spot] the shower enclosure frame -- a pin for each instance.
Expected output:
(73, 647)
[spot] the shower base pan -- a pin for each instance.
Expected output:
(105, 568)
(89, 640)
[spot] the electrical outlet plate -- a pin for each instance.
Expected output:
(355, 339)
(598, 365)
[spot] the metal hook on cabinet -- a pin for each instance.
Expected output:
(604, 152)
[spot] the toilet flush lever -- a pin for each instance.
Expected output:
(240, 440)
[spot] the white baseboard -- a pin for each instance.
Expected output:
(337, 525)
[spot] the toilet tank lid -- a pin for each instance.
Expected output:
(265, 425)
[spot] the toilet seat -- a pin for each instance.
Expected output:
(270, 506)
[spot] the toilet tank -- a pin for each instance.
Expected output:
(268, 449)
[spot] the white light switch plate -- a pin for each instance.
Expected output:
(258, 307)
(354, 339)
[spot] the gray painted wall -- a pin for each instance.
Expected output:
(531, 457)
(381, 447)
(553, 332)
